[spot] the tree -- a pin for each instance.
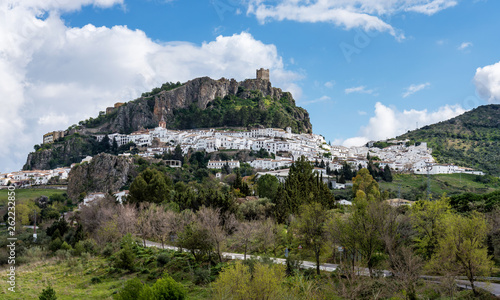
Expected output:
(426, 219)
(462, 247)
(126, 256)
(310, 228)
(177, 155)
(150, 186)
(387, 175)
(233, 282)
(302, 186)
(245, 235)
(267, 186)
(346, 171)
(211, 220)
(48, 294)
(236, 282)
(365, 187)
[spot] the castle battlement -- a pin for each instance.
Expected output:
(263, 74)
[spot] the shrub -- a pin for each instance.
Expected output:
(65, 246)
(202, 276)
(168, 288)
(63, 254)
(55, 245)
(125, 259)
(108, 250)
(131, 290)
(34, 253)
(95, 280)
(78, 250)
(89, 245)
(48, 294)
(162, 259)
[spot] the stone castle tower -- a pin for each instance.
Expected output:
(263, 74)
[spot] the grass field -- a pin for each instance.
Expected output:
(413, 186)
(28, 194)
(72, 279)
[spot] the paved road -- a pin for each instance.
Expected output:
(493, 288)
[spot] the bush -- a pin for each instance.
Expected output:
(202, 276)
(55, 245)
(89, 245)
(63, 254)
(78, 250)
(125, 259)
(131, 290)
(65, 246)
(48, 294)
(108, 250)
(168, 288)
(162, 259)
(34, 253)
(95, 280)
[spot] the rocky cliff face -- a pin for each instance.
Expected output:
(277, 110)
(148, 111)
(63, 153)
(104, 173)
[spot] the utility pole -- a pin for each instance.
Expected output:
(34, 230)
(429, 167)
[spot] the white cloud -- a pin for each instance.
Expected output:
(487, 81)
(389, 122)
(465, 45)
(431, 7)
(52, 76)
(412, 89)
(321, 99)
(362, 113)
(358, 89)
(330, 84)
(364, 14)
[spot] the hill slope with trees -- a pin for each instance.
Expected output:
(471, 139)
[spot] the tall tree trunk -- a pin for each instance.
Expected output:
(317, 263)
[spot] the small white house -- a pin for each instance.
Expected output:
(219, 164)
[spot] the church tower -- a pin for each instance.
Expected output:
(162, 123)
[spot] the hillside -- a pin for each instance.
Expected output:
(205, 102)
(471, 139)
(198, 103)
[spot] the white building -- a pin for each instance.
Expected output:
(219, 164)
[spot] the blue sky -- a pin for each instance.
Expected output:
(364, 69)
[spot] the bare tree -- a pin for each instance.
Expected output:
(245, 235)
(211, 220)
(125, 217)
(143, 221)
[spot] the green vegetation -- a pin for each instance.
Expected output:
(233, 111)
(104, 255)
(164, 87)
(29, 194)
(414, 187)
(471, 140)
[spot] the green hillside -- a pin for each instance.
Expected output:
(471, 139)
(414, 187)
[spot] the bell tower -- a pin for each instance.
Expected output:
(162, 123)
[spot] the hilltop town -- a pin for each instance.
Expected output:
(282, 144)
